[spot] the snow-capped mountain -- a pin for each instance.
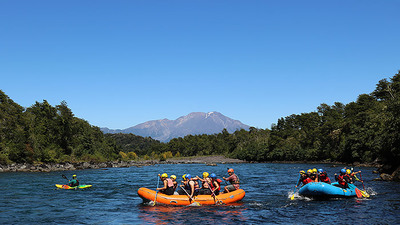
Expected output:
(193, 123)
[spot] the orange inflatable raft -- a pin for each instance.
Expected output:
(224, 198)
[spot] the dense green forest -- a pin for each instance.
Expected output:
(364, 131)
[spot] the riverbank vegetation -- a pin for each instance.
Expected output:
(364, 131)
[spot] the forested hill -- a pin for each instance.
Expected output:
(365, 130)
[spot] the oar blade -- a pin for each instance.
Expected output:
(292, 198)
(195, 204)
(365, 194)
(358, 193)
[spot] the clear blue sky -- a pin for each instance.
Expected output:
(120, 63)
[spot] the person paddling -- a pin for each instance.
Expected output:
(205, 184)
(233, 179)
(168, 187)
(342, 179)
(74, 182)
(352, 175)
(188, 185)
(215, 184)
(323, 176)
(173, 178)
(313, 176)
(304, 179)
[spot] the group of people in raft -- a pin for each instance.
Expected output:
(346, 176)
(210, 184)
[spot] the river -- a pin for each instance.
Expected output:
(31, 198)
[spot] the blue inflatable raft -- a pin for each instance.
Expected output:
(324, 190)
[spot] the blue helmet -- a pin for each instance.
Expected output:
(320, 170)
(213, 175)
(188, 176)
(343, 171)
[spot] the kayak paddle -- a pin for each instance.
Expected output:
(155, 199)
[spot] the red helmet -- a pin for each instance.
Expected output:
(230, 170)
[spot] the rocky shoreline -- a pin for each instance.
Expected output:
(49, 167)
(207, 160)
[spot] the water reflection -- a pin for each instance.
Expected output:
(226, 214)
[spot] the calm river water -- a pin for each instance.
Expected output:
(31, 198)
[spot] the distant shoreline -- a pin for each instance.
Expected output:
(207, 160)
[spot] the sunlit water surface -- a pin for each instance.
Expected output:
(31, 198)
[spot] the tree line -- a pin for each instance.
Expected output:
(364, 131)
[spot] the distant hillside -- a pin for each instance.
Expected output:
(194, 123)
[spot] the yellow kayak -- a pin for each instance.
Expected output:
(64, 186)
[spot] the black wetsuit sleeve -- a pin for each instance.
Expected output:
(298, 182)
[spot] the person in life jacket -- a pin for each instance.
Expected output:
(188, 185)
(215, 184)
(314, 175)
(352, 175)
(173, 178)
(205, 184)
(74, 182)
(168, 188)
(342, 179)
(184, 182)
(233, 179)
(304, 179)
(323, 176)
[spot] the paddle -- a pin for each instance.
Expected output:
(364, 193)
(191, 199)
(155, 199)
(218, 202)
(294, 192)
(63, 176)
(65, 186)
(358, 193)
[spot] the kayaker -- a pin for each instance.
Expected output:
(342, 179)
(188, 185)
(205, 181)
(215, 184)
(304, 179)
(323, 176)
(74, 182)
(168, 188)
(233, 179)
(173, 178)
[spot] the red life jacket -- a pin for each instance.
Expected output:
(341, 180)
(219, 184)
(307, 180)
(324, 178)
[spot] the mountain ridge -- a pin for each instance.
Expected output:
(194, 123)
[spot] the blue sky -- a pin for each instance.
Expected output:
(121, 63)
